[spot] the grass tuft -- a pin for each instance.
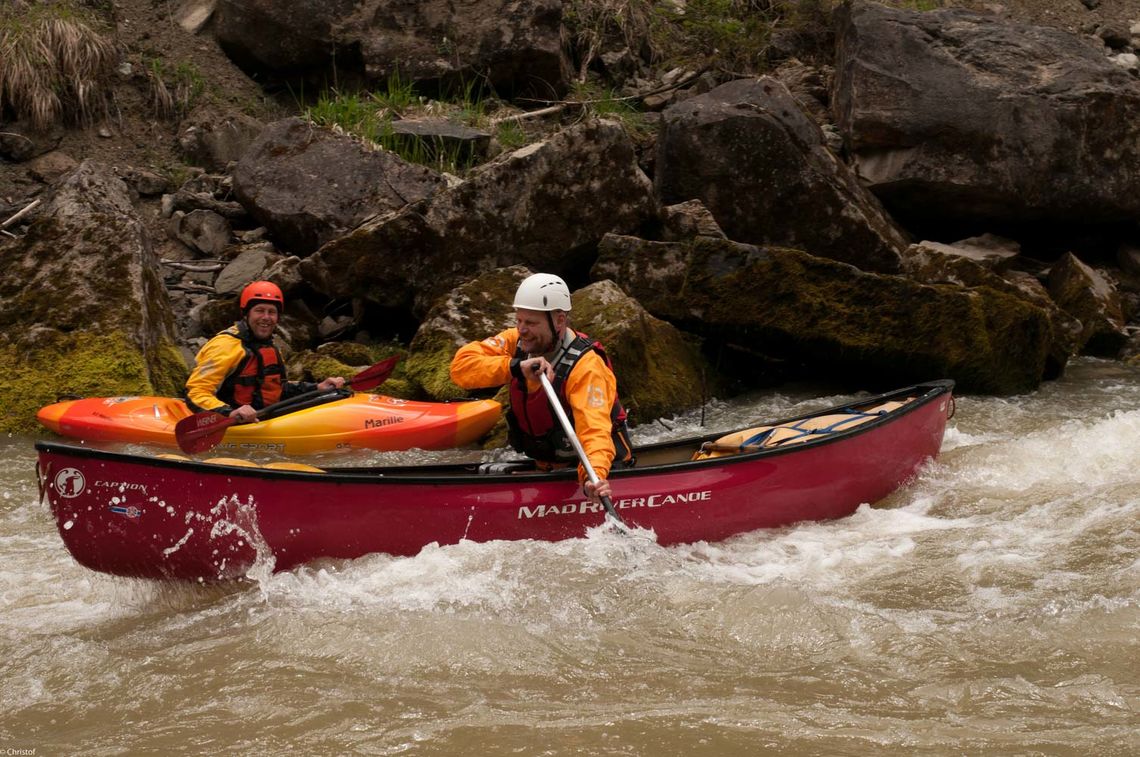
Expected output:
(174, 89)
(55, 64)
(370, 115)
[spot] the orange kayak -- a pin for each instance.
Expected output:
(359, 421)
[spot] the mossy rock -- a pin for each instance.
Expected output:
(61, 365)
(475, 310)
(347, 359)
(659, 371)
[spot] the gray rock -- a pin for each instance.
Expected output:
(202, 230)
(249, 265)
(515, 45)
(84, 286)
(965, 117)
(543, 206)
(837, 320)
(308, 185)
(761, 165)
(1093, 300)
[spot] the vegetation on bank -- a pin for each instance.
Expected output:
(730, 37)
(174, 88)
(109, 364)
(59, 57)
(56, 60)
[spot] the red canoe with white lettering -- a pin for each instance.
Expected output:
(158, 517)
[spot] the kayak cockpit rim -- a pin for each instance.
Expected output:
(669, 454)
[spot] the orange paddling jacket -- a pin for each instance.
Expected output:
(584, 382)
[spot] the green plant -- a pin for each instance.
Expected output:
(731, 32)
(174, 89)
(398, 95)
(923, 5)
(608, 104)
(511, 135)
(370, 115)
(55, 63)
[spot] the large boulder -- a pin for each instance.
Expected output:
(473, 310)
(513, 45)
(82, 306)
(1091, 299)
(308, 185)
(760, 164)
(954, 116)
(544, 206)
(984, 263)
(864, 329)
(659, 372)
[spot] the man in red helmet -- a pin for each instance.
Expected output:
(240, 370)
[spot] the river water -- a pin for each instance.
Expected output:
(991, 607)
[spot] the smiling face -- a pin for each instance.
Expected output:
(262, 320)
(535, 336)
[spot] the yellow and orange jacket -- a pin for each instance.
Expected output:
(589, 391)
(235, 369)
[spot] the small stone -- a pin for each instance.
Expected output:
(1127, 61)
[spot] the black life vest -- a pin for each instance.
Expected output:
(532, 427)
(259, 378)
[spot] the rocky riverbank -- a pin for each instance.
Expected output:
(890, 195)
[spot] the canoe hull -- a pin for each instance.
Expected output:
(361, 421)
(153, 518)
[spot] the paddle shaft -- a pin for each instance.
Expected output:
(556, 406)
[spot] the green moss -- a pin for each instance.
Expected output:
(430, 367)
(349, 358)
(80, 364)
(168, 370)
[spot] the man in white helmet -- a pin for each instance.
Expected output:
(576, 366)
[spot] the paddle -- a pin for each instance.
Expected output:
(557, 407)
(203, 431)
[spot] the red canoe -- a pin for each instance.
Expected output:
(164, 518)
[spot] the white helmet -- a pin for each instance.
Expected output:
(543, 291)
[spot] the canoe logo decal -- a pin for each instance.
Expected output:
(69, 482)
(586, 506)
(130, 511)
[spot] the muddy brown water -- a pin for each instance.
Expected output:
(990, 607)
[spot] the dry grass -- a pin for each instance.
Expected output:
(54, 64)
(732, 36)
(590, 22)
(173, 89)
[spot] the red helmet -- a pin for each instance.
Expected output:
(262, 291)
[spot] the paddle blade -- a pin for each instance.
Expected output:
(375, 375)
(202, 431)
